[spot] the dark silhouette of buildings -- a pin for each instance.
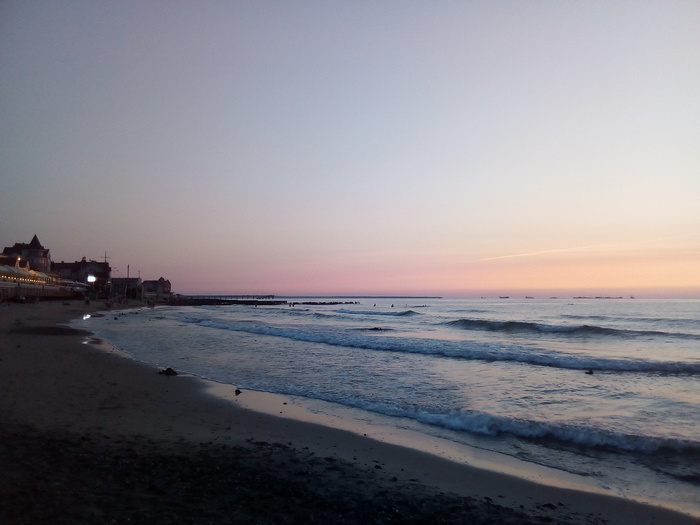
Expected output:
(96, 274)
(30, 256)
(127, 287)
(30, 265)
(157, 290)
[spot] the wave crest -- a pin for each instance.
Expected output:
(397, 313)
(469, 350)
(525, 327)
(493, 425)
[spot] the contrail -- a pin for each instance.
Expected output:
(541, 252)
(592, 247)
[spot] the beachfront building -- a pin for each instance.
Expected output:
(11, 260)
(29, 256)
(127, 287)
(159, 290)
(94, 273)
(28, 285)
(18, 275)
(27, 274)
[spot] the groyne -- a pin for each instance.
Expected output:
(254, 300)
(200, 300)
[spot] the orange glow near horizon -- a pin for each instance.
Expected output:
(597, 274)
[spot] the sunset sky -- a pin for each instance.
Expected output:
(358, 147)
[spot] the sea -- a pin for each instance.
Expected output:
(603, 390)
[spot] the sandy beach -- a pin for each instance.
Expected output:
(90, 436)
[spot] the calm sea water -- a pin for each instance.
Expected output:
(607, 389)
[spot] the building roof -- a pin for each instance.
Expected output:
(19, 246)
(77, 265)
(21, 273)
(35, 244)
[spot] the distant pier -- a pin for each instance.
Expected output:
(255, 300)
(200, 300)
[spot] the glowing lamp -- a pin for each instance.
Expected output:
(91, 278)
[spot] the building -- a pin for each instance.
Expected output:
(10, 260)
(96, 274)
(157, 290)
(127, 287)
(31, 256)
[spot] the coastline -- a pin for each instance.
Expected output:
(61, 384)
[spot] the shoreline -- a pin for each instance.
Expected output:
(62, 383)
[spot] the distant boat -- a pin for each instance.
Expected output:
(529, 297)
(504, 297)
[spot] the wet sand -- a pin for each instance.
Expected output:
(88, 436)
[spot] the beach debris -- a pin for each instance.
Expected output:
(589, 372)
(237, 392)
(168, 372)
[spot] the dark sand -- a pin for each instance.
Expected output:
(87, 436)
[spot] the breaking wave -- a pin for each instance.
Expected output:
(525, 327)
(469, 350)
(398, 313)
(494, 425)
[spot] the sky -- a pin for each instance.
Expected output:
(358, 147)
